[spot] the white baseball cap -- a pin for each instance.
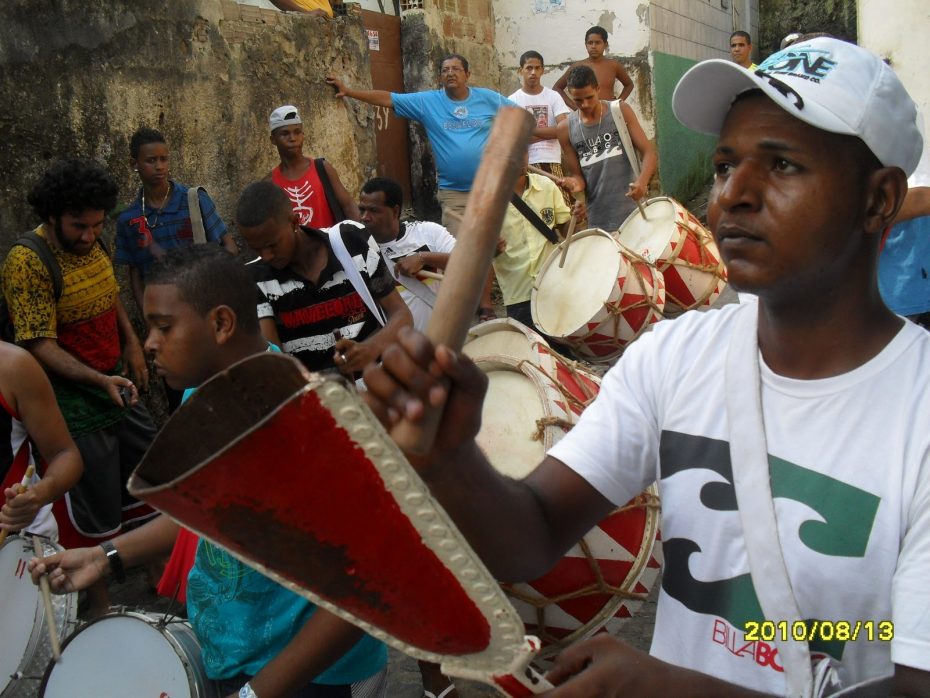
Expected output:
(828, 83)
(284, 116)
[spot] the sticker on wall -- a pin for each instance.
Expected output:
(374, 40)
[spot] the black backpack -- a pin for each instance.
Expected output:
(40, 246)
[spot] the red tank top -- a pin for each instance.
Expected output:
(307, 197)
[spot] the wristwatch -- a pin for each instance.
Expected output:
(116, 562)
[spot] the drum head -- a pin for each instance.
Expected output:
(510, 417)
(123, 654)
(505, 337)
(649, 237)
(565, 299)
(19, 606)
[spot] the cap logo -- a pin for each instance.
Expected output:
(786, 90)
(806, 63)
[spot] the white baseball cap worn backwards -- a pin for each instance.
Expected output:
(830, 84)
(284, 116)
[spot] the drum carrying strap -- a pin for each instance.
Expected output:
(749, 458)
(625, 137)
(355, 278)
(193, 207)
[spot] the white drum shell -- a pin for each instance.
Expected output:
(128, 653)
(25, 648)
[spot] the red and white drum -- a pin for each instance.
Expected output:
(672, 239)
(127, 653)
(507, 337)
(602, 299)
(608, 574)
(25, 648)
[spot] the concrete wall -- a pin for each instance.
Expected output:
(901, 42)
(683, 33)
(205, 72)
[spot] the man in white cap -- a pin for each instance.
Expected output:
(790, 437)
(312, 185)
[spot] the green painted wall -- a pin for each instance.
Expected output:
(684, 155)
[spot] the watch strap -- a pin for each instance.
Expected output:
(116, 562)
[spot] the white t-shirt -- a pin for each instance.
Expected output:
(417, 236)
(544, 107)
(850, 466)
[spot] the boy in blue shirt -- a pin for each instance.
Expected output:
(257, 637)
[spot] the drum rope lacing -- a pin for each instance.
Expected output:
(574, 403)
(645, 500)
(708, 264)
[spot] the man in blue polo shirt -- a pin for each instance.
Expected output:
(457, 119)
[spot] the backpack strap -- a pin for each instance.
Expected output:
(625, 137)
(38, 244)
(353, 274)
(193, 207)
(334, 206)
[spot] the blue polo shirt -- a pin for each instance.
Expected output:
(142, 237)
(457, 131)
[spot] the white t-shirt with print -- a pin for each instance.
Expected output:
(544, 107)
(849, 458)
(417, 236)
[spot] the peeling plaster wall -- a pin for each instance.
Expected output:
(205, 72)
(901, 42)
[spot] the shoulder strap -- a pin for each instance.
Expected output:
(534, 218)
(625, 137)
(193, 206)
(752, 484)
(334, 205)
(355, 278)
(40, 246)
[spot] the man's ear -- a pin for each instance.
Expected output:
(885, 192)
(224, 323)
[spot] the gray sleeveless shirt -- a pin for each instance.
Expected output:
(606, 169)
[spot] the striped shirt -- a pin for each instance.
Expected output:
(311, 317)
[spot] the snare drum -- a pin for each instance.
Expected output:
(600, 300)
(672, 239)
(609, 572)
(128, 653)
(25, 648)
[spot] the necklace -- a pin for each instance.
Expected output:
(153, 224)
(600, 121)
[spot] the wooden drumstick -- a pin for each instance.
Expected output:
(568, 240)
(47, 602)
(470, 261)
(540, 171)
(20, 488)
(639, 204)
(423, 274)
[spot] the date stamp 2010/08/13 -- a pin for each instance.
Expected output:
(822, 630)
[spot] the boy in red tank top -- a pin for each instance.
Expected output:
(298, 175)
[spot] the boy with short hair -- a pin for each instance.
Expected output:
(324, 311)
(548, 110)
(304, 180)
(607, 70)
(257, 637)
(159, 219)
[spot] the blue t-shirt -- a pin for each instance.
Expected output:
(457, 131)
(141, 238)
(904, 267)
(243, 619)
